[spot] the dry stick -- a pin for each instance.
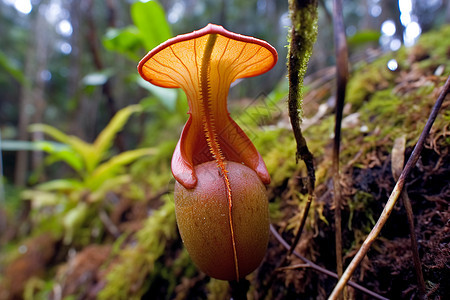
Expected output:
(393, 197)
(341, 83)
(318, 268)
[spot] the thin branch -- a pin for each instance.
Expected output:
(302, 223)
(394, 195)
(320, 269)
(340, 45)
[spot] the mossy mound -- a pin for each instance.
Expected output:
(382, 105)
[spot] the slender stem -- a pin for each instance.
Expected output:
(302, 224)
(393, 197)
(303, 34)
(341, 83)
(320, 269)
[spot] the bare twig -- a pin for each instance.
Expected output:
(320, 269)
(340, 45)
(394, 195)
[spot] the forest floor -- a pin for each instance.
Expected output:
(139, 253)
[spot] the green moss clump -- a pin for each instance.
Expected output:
(435, 46)
(279, 156)
(368, 79)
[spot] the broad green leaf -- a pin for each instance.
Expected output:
(150, 19)
(85, 150)
(167, 97)
(60, 185)
(106, 137)
(51, 147)
(42, 198)
(58, 135)
(110, 168)
(126, 41)
(73, 159)
(61, 152)
(51, 131)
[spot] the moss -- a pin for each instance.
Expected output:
(432, 50)
(368, 79)
(390, 103)
(275, 212)
(436, 45)
(316, 212)
(361, 202)
(279, 159)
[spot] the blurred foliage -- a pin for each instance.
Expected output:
(98, 170)
(149, 30)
